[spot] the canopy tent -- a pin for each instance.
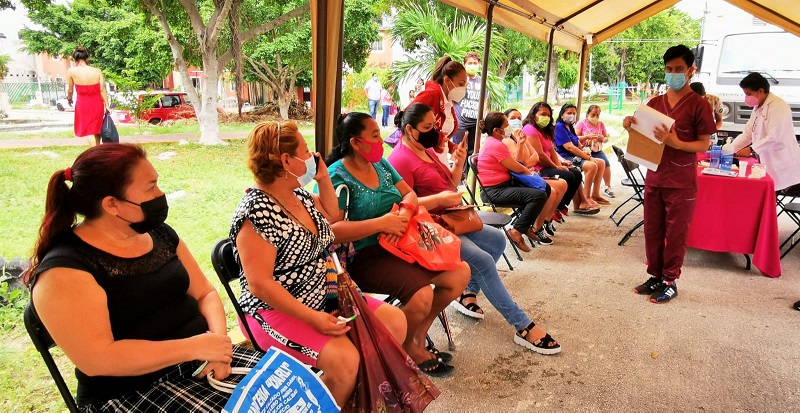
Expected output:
(575, 26)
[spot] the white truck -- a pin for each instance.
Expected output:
(734, 43)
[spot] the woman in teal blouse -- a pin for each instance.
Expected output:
(357, 162)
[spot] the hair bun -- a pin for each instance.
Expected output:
(80, 49)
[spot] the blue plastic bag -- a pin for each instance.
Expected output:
(531, 181)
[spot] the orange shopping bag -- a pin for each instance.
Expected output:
(426, 243)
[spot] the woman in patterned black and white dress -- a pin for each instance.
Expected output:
(280, 232)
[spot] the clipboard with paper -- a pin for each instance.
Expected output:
(643, 147)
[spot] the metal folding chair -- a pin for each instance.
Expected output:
(634, 179)
(43, 343)
(228, 271)
(793, 210)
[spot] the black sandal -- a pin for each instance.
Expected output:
(545, 345)
(797, 306)
(442, 356)
(436, 368)
(469, 310)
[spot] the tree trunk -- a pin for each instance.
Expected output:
(208, 116)
(553, 81)
(283, 104)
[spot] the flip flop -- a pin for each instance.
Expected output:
(587, 211)
(436, 368)
(602, 202)
(442, 356)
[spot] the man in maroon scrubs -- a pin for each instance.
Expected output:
(670, 192)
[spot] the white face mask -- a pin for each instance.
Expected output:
(515, 123)
(570, 119)
(508, 130)
(311, 170)
(457, 92)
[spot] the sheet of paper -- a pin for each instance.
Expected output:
(647, 119)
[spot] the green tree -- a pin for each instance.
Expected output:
(120, 40)
(635, 55)
(281, 56)
(438, 37)
(4, 60)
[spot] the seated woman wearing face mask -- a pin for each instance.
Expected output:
(357, 162)
(280, 232)
(121, 294)
(434, 183)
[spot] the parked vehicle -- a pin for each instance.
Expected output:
(734, 44)
(169, 106)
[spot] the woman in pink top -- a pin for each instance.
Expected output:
(495, 164)
(538, 124)
(524, 153)
(591, 127)
(435, 186)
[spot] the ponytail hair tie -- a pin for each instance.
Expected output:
(344, 115)
(68, 174)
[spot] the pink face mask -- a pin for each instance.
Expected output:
(376, 151)
(751, 101)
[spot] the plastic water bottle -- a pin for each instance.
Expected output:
(716, 155)
(727, 157)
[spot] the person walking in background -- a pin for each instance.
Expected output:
(386, 105)
(467, 108)
(92, 104)
(670, 191)
(593, 129)
(373, 90)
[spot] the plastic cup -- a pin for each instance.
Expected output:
(743, 168)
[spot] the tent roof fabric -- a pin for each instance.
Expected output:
(577, 21)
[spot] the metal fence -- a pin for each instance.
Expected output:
(24, 92)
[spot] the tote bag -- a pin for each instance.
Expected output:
(426, 243)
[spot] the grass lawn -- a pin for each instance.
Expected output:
(206, 183)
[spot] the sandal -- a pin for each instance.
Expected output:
(545, 345)
(797, 306)
(472, 310)
(436, 368)
(586, 211)
(442, 356)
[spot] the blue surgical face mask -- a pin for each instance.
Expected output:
(311, 170)
(675, 81)
(515, 123)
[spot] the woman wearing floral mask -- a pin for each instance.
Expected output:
(447, 86)
(592, 129)
(357, 162)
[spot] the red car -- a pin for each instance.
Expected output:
(169, 106)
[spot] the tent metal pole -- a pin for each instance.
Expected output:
(484, 72)
(582, 77)
(549, 59)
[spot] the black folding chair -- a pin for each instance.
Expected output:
(228, 271)
(487, 200)
(43, 343)
(792, 209)
(785, 196)
(634, 179)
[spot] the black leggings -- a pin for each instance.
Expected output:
(573, 176)
(530, 200)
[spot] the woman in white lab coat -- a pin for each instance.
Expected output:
(771, 132)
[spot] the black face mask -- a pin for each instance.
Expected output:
(429, 139)
(155, 213)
